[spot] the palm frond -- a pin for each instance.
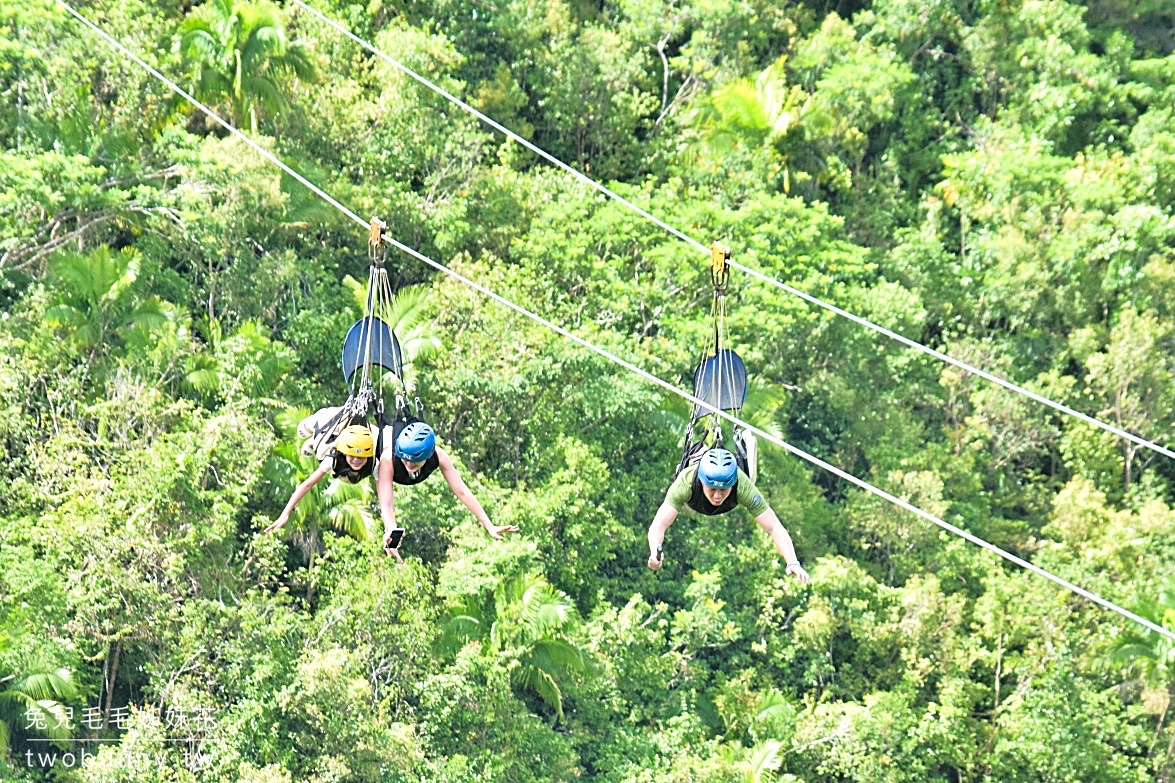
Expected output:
(196, 41)
(348, 510)
(508, 595)
(763, 761)
(82, 277)
(284, 467)
(45, 717)
(203, 373)
(212, 85)
(1126, 651)
(120, 271)
(267, 39)
(288, 419)
(772, 705)
(545, 609)
(266, 93)
(457, 631)
(419, 346)
(541, 683)
(148, 314)
(1146, 653)
(557, 657)
(553, 616)
(740, 106)
(497, 635)
(65, 315)
(408, 308)
(45, 685)
(298, 60)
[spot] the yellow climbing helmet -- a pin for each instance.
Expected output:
(355, 441)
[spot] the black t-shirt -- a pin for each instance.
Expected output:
(335, 463)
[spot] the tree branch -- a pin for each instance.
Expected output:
(37, 249)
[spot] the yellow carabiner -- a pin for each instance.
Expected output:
(377, 251)
(719, 265)
(375, 232)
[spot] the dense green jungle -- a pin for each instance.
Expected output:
(993, 179)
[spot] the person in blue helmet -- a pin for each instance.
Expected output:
(410, 455)
(715, 485)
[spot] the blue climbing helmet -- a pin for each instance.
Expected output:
(718, 469)
(416, 442)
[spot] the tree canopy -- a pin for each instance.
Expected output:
(993, 180)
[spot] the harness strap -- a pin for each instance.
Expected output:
(348, 414)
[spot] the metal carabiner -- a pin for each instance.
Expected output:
(377, 250)
(719, 267)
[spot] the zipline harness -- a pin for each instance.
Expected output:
(372, 361)
(720, 381)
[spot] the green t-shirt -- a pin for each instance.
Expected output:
(749, 496)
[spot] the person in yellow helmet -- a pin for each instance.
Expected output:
(350, 458)
(410, 455)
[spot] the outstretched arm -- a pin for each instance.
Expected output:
(385, 491)
(783, 543)
(457, 484)
(661, 522)
(295, 498)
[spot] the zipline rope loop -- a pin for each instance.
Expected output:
(1057, 406)
(1093, 597)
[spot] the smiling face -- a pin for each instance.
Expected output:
(716, 496)
(356, 463)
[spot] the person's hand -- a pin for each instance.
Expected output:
(799, 572)
(496, 531)
(391, 538)
(656, 560)
(277, 523)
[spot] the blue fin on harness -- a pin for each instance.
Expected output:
(370, 336)
(721, 381)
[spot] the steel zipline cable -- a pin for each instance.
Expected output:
(990, 377)
(1076, 589)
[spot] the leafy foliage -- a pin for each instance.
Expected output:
(992, 179)
(239, 52)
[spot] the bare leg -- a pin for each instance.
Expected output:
(308, 426)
